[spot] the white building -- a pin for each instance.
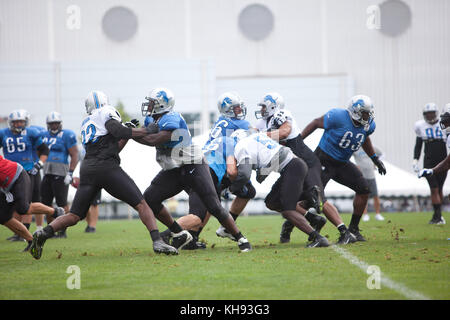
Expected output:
(316, 53)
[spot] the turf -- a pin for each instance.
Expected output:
(117, 262)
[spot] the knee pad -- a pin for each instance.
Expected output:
(247, 192)
(273, 204)
(22, 208)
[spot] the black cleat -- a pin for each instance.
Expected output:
(316, 221)
(194, 245)
(318, 199)
(286, 229)
(89, 229)
(17, 238)
(180, 239)
(160, 247)
(244, 245)
(10, 238)
(357, 234)
(37, 244)
(346, 238)
(318, 242)
(438, 221)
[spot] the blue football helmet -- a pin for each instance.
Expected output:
(361, 109)
(159, 101)
(231, 105)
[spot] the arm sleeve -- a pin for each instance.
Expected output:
(43, 149)
(418, 148)
(243, 176)
(117, 129)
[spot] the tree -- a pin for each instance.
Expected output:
(120, 107)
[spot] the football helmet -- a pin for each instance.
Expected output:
(95, 100)
(430, 113)
(54, 117)
(239, 134)
(361, 110)
(160, 100)
(231, 105)
(270, 103)
(445, 119)
(18, 115)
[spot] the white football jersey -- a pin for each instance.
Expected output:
(261, 151)
(277, 120)
(428, 131)
(93, 126)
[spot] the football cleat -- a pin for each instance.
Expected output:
(89, 229)
(61, 234)
(286, 229)
(346, 238)
(180, 239)
(59, 212)
(16, 238)
(365, 217)
(317, 222)
(37, 244)
(244, 245)
(223, 233)
(438, 221)
(318, 242)
(160, 247)
(357, 234)
(194, 245)
(379, 217)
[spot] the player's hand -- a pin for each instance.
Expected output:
(380, 165)
(225, 194)
(260, 177)
(152, 128)
(37, 166)
(68, 178)
(134, 123)
(415, 166)
(425, 173)
(75, 182)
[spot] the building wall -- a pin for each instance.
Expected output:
(310, 37)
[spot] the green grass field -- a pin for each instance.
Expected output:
(117, 262)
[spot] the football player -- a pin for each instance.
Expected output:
(103, 136)
(183, 165)
(429, 132)
(444, 165)
(259, 152)
(279, 124)
(345, 131)
(57, 169)
(20, 144)
(15, 195)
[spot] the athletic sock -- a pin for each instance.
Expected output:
(313, 235)
(354, 222)
(165, 233)
(175, 227)
(48, 232)
(154, 234)
(235, 216)
(238, 235)
(437, 212)
(27, 225)
(342, 228)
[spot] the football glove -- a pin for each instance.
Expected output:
(260, 177)
(152, 128)
(37, 166)
(278, 120)
(415, 166)
(379, 164)
(68, 178)
(425, 173)
(134, 123)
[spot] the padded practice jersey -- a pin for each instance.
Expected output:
(216, 155)
(224, 127)
(9, 172)
(435, 143)
(59, 145)
(274, 122)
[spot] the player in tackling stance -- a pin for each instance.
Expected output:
(103, 136)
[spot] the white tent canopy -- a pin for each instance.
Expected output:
(139, 162)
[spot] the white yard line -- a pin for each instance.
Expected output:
(400, 288)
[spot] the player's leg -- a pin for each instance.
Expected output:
(350, 176)
(36, 197)
(198, 178)
(92, 215)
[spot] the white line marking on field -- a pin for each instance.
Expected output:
(400, 288)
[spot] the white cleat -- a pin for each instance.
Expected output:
(379, 217)
(223, 233)
(365, 217)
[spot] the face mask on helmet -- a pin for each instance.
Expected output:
(95, 100)
(445, 122)
(430, 113)
(361, 110)
(230, 105)
(54, 122)
(159, 101)
(18, 120)
(270, 104)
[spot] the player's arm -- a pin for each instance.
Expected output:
(244, 172)
(120, 131)
(441, 167)
(312, 126)
(417, 151)
(43, 152)
(368, 148)
(281, 133)
(232, 169)
(73, 152)
(154, 139)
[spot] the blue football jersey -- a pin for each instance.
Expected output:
(341, 137)
(224, 127)
(173, 121)
(59, 145)
(41, 130)
(20, 147)
(216, 154)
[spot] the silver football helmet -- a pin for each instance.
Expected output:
(270, 104)
(54, 117)
(160, 100)
(95, 100)
(445, 119)
(18, 115)
(430, 113)
(361, 109)
(231, 105)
